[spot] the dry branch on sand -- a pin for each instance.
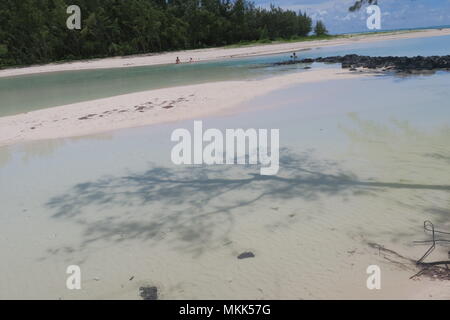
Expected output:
(439, 270)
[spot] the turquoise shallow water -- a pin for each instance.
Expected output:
(32, 92)
(361, 160)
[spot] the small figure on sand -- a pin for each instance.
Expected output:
(190, 60)
(177, 61)
(294, 56)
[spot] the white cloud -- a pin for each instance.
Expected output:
(396, 13)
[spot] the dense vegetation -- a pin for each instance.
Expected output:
(320, 29)
(34, 31)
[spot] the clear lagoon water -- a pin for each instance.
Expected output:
(32, 92)
(362, 160)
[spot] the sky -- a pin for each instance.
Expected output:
(395, 14)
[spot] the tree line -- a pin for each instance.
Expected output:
(35, 31)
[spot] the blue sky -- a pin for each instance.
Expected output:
(396, 14)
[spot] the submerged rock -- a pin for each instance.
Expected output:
(148, 293)
(246, 255)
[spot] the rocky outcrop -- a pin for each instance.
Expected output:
(400, 64)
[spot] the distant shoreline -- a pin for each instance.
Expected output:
(222, 53)
(401, 29)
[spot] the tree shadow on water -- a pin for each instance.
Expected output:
(194, 208)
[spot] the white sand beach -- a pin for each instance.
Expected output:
(218, 53)
(150, 107)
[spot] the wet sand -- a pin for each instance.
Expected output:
(150, 107)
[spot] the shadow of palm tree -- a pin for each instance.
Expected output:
(195, 207)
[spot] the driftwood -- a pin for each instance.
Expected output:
(439, 270)
(430, 270)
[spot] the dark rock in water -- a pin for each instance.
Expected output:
(246, 255)
(148, 293)
(399, 64)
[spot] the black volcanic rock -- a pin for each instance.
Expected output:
(400, 64)
(246, 255)
(148, 293)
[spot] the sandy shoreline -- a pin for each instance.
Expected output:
(167, 104)
(217, 53)
(149, 107)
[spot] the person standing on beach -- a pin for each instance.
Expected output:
(178, 61)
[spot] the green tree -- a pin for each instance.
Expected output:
(34, 31)
(320, 29)
(304, 24)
